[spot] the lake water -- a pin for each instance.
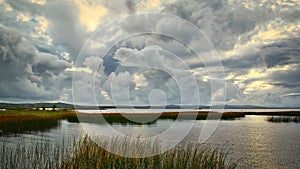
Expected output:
(255, 141)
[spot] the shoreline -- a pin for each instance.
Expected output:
(171, 113)
(17, 121)
(23, 115)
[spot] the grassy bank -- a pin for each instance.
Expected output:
(86, 154)
(26, 121)
(17, 121)
(27, 126)
(29, 114)
(135, 118)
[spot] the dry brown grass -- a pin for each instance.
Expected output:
(23, 114)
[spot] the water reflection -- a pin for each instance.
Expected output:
(257, 137)
(257, 142)
(28, 126)
(260, 144)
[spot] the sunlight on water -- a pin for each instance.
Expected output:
(255, 141)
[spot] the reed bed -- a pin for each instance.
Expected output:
(18, 121)
(27, 126)
(143, 118)
(33, 155)
(283, 119)
(84, 153)
(30, 114)
(90, 155)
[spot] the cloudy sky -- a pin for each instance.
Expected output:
(116, 52)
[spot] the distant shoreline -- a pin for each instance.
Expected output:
(70, 106)
(185, 115)
(15, 121)
(74, 115)
(192, 112)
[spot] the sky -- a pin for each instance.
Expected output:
(244, 52)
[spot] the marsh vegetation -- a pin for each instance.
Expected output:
(18, 121)
(283, 119)
(84, 153)
(136, 118)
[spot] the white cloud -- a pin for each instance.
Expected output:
(257, 41)
(28, 74)
(93, 62)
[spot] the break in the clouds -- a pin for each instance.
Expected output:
(257, 43)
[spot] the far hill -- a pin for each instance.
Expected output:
(35, 105)
(60, 105)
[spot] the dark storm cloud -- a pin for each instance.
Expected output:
(49, 65)
(221, 23)
(292, 15)
(286, 84)
(31, 74)
(243, 63)
(66, 29)
(25, 73)
(131, 6)
(228, 26)
(289, 78)
(281, 53)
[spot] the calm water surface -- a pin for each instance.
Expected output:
(255, 141)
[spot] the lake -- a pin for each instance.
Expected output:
(254, 141)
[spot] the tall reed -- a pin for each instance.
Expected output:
(191, 155)
(84, 153)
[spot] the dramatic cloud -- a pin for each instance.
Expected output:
(257, 43)
(26, 73)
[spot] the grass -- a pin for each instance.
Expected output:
(86, 154)
(90, 155)
(284, 119)
(15, 121)
(26, 121)
(30, 114)
(27, 126)
(35, 154)
(136, 118)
